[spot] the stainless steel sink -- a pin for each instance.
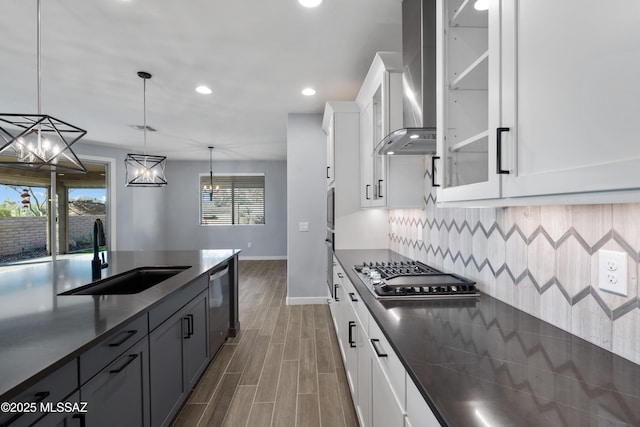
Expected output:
(129, 282)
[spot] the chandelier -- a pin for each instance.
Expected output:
(37, 142)
(144, 170)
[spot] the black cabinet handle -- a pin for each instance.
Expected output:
(499, 169)
(433, 171)
(40, 397)
(328, 167)
(340, 275)
(82, 418)
(335, 292)
(366, 191)
(352, 296)
(130, 359)
(128, 335)
(375, 348)
(352, 325)
(189, 319)
(380, 188)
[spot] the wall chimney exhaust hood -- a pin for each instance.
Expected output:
(418, 136)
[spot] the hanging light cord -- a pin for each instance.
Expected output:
(38, 64)
(144, 109)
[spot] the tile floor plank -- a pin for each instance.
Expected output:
(238, 415)
(283, 369)
(261, 414)
(284, 411)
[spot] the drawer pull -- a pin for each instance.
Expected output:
(352, 296)
(128, 335)
(375, 348)
(82, 418)
(352, 325)
(40, 397)
(131, 358)
(340, 276)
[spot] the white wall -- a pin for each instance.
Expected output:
(306, 202)
(181, 206)
(138, 212)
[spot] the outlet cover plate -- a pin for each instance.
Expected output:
(612, 272)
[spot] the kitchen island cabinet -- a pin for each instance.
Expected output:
(179, 356)
(100, 338)
(478, 362)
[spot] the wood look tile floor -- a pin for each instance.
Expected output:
(283, 369)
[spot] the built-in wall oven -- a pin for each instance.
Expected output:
(330, 240)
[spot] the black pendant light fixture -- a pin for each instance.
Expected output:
(210, 187)
(145, 170)
(38, 142)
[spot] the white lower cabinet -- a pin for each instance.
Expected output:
(387, 411)
(418, 412)
(382, 392)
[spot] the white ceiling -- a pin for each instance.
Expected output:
(256, 56)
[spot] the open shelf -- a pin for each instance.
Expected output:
(482, 137)
(468, 16)
(476, 76)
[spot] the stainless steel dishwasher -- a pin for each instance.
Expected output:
(218, 307)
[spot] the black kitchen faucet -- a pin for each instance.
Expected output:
(99, 239)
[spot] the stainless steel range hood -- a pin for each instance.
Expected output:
(418, 136)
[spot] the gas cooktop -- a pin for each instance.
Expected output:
(412, 279)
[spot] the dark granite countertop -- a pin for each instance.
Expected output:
(41, 330)
(485, 363)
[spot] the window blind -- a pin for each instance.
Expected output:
(235, 200)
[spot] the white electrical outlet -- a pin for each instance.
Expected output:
(303, 226)
(612, 272)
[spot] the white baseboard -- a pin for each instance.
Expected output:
(261, 258)
(306, 300)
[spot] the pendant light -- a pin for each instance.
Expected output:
(210, 188)
(38, 142)
(144, 170)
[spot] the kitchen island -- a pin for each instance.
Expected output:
(43, 332)
(480, 362)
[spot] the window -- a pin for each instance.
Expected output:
(234, 199)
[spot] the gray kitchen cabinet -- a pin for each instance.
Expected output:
(179, 355)
(53, 388)
(118, 395)
(64, 419)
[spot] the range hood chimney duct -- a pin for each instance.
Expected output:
(418, 135)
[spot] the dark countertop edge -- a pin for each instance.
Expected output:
(366, 297)
(43, 373)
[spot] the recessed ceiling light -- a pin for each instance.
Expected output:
(310, 3)
(308, 91)
(481, 5)
(203, 90)
(414, 136)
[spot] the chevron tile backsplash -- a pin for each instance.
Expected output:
(540, 259)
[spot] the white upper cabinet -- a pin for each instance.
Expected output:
(383, 179)
(468, 110)
(572, 104)
(535, 101)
